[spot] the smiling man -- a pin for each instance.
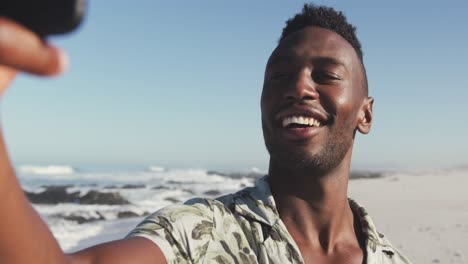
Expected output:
(314, 100)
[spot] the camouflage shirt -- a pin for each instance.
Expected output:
(241, 228)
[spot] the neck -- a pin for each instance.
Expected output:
(314, 207)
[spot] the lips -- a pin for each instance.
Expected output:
(300, 122)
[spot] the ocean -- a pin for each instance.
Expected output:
(84, 206)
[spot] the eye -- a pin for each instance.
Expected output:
(279, 76)
(325, 77)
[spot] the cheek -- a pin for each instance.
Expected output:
(343, 102)
(267, 102)
(348, 110)
(267, 105)
(265, 116)
(340, 104)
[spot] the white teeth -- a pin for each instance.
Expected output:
(301, 120)
(286, 121)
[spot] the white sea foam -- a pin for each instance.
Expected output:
(258, 171)
(191, 175)
(156, 169)
(106, 231)
(47, 170)
(158, 188)
(69, 233)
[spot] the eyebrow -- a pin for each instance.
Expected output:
(328, 61)
(314, 60)
(279, 59)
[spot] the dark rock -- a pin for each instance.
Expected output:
(174, 182)
(172, 199)
(127, 214)
(59, 194)
(188, 191)
(53, 195)
(133, 186)
(89, 185)
(81, 219)
(160, 187)
(365, 175)
(236, 175)
(180, 182)
(213, 172)
(65, 186)
(110, 198)
(212, 192)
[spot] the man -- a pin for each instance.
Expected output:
(314, 100)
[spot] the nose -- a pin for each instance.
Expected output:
(302, 87)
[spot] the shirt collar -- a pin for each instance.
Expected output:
(257, 203)
(374, 239)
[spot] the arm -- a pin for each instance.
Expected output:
(24, 237)
(136, 250)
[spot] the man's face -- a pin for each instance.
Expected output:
(312, 100)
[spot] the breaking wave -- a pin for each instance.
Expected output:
(46, 170)
(156, 169)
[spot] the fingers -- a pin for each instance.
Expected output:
(6, 76)
(24, 51)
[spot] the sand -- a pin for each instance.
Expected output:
(424, 215)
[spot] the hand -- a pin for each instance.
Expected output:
(22, 50)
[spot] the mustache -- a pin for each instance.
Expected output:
(301, 104)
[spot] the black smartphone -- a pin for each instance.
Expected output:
(45, 17)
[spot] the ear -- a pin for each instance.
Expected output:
(365, 116)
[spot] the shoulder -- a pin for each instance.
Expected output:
(187, 218)
(198, 230)
(182, 231)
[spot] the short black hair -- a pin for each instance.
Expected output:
(327, 18)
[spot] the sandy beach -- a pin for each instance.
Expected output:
(423, 214)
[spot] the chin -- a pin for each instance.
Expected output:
(307, 159)
(294, 159)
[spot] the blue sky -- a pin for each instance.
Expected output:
(178, 83)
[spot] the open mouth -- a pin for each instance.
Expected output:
(299, 122)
